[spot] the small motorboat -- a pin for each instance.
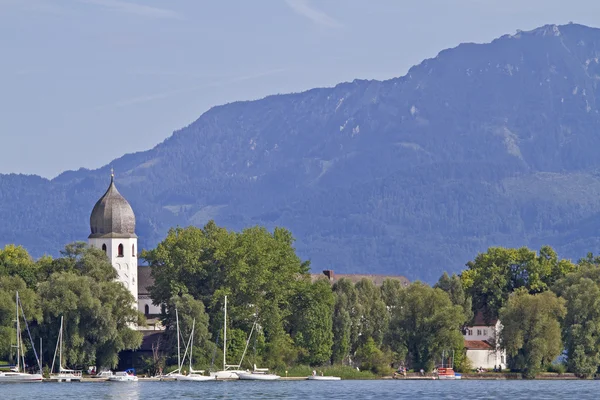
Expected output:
(103, 374)
(123, 376)
(258, 374)
(323, 378)
(447, 373)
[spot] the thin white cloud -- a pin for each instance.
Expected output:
(302, 7)
(136, 9)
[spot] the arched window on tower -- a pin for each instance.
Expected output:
(133, 250)
(146, 309)
(104, 248)
(120, 253)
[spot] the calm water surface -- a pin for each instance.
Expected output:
(398, 389)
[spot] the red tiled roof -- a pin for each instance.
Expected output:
(478, 345)
(479, 320)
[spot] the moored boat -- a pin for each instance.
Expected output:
(447, 373)
(123, 376)
(323, 378)
(17, 373)
(193, 375)
(258, 374)
(64, 374)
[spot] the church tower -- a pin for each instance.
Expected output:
(113, 230)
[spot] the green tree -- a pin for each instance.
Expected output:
(97, 310)
(346, 320)
(16, 261)
(371, 358)
(258, 270)
(190, 312)
(425, 324)
(372, 311)
(313, 322)
(453, 285)
(495, 274)
(581, 325)
(531, 331)
(9, 285)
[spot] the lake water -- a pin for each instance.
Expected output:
(386, 389)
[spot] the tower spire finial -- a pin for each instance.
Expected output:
(112, 174)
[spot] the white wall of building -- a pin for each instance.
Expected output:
(486, 358)
(145, 300)
(126, 264)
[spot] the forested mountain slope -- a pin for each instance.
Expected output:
(485, 144)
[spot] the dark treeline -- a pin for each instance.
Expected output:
(548, 306)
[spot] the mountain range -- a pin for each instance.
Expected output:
(485, 144)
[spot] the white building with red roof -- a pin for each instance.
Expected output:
(482, 344)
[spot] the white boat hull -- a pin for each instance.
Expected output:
(65, 378)
(130, 378)
(324, 378)
(19, 377)
(249, 376)
(233, 374)
(194, 378)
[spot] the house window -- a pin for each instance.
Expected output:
(470, 332)
(502, 359)
(133, 250)
(104, 248)
(485, 332)
(120, 253)
(478, 332)
(146, 309)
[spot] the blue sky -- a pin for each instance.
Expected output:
(85, 81)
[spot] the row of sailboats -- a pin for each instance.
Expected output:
(18, 374)
(229, 371)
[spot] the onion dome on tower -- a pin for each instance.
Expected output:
(112, 216)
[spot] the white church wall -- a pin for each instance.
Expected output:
(125, 264)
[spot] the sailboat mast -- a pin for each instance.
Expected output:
(225, 336)
(60, 341)
(18, 333)
(178, 345)
(192, 344)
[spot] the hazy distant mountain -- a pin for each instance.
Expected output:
(486, 144)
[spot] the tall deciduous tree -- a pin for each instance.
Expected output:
(581, 325)
(16, 261)
(346, 320)
(313, 322)
(495, 274)
(531, 331)
(97, 310)
(258, 270)
(425, 324)
(372, 312)
(453, 285)
(9, 285)
(189, 311)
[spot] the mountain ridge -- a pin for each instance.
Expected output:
(484, 144)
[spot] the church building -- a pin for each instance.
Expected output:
(112, 225)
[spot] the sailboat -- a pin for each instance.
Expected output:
(64, 374)
(229, 371)
(257, 374)
(17, 373)
(193, 375)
